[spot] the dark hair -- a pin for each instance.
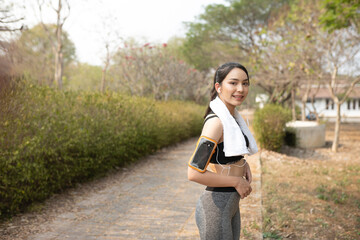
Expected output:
(220, 75)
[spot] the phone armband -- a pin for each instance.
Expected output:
(205, 148)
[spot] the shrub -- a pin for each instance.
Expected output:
(50, 140)
(269, 125)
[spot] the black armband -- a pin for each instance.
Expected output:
(205, 148)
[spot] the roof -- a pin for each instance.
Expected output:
(324, 92)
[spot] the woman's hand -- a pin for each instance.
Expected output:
(243, 187)
(248, 174)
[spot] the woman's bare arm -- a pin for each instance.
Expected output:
(213, 130)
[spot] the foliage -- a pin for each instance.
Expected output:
(223, 33)
(289, 54)
(50, 140)
(82, 76)
(269, 124)
(34, 55)
(341, 14)
(200, 43)
(152, 70)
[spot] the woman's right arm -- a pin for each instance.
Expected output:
(215, 180)
(213, 130)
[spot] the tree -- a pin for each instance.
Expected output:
(341, 14)
(224, 33)
(33, 55)
(341, 19)
(151, 70)
(245, 31)
(105, 68)
(323, 53)
(7, 18)
(9, 23)
(111, 41)
(62, 13)
(297, 30)
(82, 76)
(340, 49)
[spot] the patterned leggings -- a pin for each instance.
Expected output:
(218, 216)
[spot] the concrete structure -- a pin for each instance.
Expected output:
(308, 134)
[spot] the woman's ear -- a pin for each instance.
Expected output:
(218, 87)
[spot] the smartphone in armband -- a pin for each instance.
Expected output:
(200, 159)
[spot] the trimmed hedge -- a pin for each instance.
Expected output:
(50, 140)
(269, 126)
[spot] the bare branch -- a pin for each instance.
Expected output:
(7, 29)
(68, 8)
(10, 21)
(350, 90)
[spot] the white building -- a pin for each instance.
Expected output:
(325, 107)
(261, 99)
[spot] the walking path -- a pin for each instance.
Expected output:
(152, 199)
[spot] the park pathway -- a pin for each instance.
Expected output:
(151, 199)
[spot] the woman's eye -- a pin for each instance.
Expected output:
(246, 84)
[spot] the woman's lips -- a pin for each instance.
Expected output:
(238, 97)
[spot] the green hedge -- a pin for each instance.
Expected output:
(269, 126)
(50, 140)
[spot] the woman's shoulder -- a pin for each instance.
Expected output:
(212, 128)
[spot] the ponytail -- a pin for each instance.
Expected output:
(213, 95)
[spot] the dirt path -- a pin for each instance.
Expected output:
(151, 199)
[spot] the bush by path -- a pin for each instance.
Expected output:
(50, 140)
(269, 126)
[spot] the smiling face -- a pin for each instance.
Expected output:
(233, 89)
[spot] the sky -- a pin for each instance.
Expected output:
(92, 22)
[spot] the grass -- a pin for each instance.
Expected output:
(313, 193)
(271, 235)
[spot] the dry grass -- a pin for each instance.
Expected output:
(313, 193)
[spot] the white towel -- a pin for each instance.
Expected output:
(234, 140)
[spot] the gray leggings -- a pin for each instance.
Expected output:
(218, 216)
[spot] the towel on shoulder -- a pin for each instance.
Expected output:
(234, 141)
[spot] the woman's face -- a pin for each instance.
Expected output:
(234, 88)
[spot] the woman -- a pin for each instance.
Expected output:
(218, 161)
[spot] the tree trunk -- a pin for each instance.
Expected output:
(303, 107)
(58, 52)
(293, 104)
(304, 100)
(338, 112)
(102, 89)
(103, 76)
(107, 62)
(335, 144)
(58, 69)
(56, 41)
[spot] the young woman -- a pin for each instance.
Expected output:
(218, 161)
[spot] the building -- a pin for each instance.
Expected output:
(325, 107)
